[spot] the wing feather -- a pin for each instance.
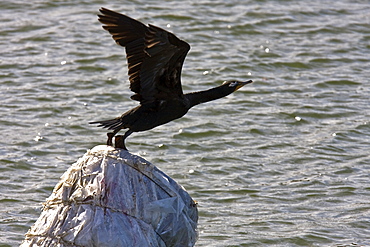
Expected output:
(155, 56)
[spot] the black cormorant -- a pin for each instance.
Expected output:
(155, 58)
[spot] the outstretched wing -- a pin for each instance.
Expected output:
(155, 56)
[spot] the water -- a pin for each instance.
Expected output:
(282, 162)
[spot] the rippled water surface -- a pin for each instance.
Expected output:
(282, 162)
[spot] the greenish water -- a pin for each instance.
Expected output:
(282, 162)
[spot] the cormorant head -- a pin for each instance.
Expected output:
(235, 85)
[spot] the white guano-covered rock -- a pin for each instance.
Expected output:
(110, 197)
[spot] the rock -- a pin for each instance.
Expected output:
(111, 197)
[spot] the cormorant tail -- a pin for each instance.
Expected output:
(112, 124)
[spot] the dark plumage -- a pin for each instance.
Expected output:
(155, 58)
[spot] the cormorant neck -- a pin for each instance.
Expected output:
(207, 95)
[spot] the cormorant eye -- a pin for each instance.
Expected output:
(233, 84)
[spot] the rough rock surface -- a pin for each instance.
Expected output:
(111, 197)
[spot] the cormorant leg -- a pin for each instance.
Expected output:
(120, 140)
(110, 137)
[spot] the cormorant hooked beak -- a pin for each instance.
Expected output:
(242, 83)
